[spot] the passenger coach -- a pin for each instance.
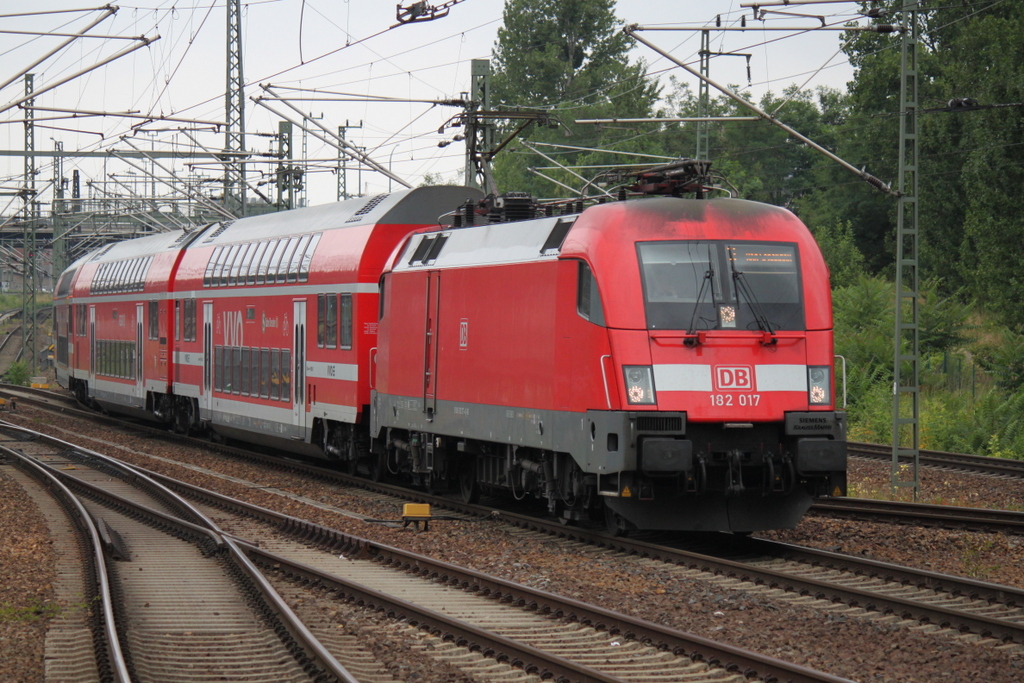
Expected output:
(260, 328)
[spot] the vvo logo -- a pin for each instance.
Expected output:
(734, 378)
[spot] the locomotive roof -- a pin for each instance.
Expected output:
(629, 221)
(494, 244)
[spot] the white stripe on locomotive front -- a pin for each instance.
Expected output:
(696, 377)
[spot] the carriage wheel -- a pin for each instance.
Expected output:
(469, 487)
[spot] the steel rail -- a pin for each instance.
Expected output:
(998, 628)
(110, 656)
(982, 464)
(944, 516)
(729, 657)
(201, 530)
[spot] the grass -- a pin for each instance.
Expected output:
(30, 612)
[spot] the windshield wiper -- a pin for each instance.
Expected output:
(709, 276)
(741, 286)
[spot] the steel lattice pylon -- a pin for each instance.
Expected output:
(234, 108)
(31, 214)
(703, 96)
(906, 403)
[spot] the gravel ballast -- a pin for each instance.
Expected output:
(841, 641)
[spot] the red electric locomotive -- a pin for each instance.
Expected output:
(665, 362)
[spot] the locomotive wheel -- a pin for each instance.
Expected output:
(614, 522)
(436, 483)
(469, 487)
(378, 466)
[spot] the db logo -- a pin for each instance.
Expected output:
(464, 333)
(734, 377)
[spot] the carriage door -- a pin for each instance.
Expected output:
(431, 343)
(206, 404)
(299, 369)
(92, 350)
(139, 353)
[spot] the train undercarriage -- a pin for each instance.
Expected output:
(743, 487)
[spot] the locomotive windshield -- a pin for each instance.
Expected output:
(717, 285)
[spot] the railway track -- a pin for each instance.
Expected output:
(180, 601)
(11, 347)
(544, 635)
(961, 462)
(921, 514)
(942, 603)
(938, 516)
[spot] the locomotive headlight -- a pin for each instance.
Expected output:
(639, 384)
(819, 385)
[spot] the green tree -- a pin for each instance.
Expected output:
(569, 58)
(845, 262)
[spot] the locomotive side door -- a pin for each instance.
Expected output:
(206, 403)
(299, 369)
(430, 343)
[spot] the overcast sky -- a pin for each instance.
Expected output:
(340, 46)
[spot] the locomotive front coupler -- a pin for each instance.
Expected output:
(735, 487)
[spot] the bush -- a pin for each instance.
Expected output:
(17, 374)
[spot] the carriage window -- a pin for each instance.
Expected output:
(275, 374)
(218, 368)
(331, 325)
(236, 370)
(208, 275)
(217, 262)
(281, 267)
(254, 262)
(296, 261)
(154, 319)
(190, 319)
(264, 373)
(307, 258)
(118, 272)
(254, 373)
(286, 375)
(321, 319)
(269, 256)
(246, 365)
(236, 266)
(225, 270)
(346, 321)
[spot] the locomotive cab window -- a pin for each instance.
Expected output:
(721, 285)
(588, 299)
